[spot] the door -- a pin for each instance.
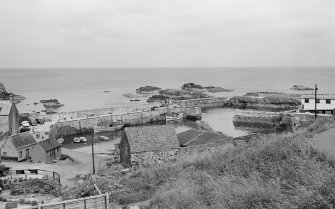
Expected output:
(27, 154)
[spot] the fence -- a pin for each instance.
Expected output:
(93, 202)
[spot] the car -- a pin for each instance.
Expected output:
(76, 139)
(33, 123)
(25, 123)
(105, 138)
(83, 139)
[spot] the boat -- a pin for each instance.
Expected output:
(83, 139)
(112, 127)
(175, 116)
(76, 139)
(61, 140)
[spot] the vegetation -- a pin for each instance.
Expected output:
(42, 186)
(274, 171)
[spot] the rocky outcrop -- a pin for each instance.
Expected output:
(51, 103)
(2, 88)
(301, 87)
(202, 126)
(148, 90)
(176, 94)
(266, 103)
(4, 95)
(214, 89)
(131, 95)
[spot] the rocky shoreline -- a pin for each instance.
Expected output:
(5, 95)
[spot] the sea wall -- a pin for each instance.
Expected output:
(263, 120)
(84, 125)
(204, 102)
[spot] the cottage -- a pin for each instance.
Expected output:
(18, 147)
(9, 118)
(195, 137)
(148, 145)
(325, 103)
(47, 151)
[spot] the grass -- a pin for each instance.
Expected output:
(274, 171)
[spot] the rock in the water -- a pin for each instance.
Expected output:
(217, 89)
(301, 87)
(148, 90)
(131, 95)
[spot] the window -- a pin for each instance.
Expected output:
(20, 154)
(4, 154)
(328, 101)
(306, 100)
(317, 100)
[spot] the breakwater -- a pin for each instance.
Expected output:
(83, 125)
(204, 103)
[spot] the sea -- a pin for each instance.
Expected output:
(91, 88)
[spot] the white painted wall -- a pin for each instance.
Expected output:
(319, 106)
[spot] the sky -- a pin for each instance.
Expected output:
(166, 33)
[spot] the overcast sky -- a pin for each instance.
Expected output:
(166, 33)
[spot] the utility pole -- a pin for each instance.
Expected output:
(316, 89)
(92, 136)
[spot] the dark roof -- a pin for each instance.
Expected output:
(150, 138)
(186, 136)
(194, 137)
(49, 144)
(319, 96)
(22, 139)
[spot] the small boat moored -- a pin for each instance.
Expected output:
(175, 116)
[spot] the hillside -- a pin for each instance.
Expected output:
(274, 171)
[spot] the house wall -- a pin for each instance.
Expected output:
(161, 156)
(38, 154)
(10, 150)
(319, 106)
(31, 147)
(125, 156)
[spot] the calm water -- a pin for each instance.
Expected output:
(81, 89)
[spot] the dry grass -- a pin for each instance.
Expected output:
(275, 171)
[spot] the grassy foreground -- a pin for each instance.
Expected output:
(275, 171)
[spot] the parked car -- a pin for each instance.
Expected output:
(33, 123)
(105, 138)
(76, 139)
(25, 123)
(83, 139)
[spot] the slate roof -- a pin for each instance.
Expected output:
(49, 144)
(5, 106)
(194, 137)
(151, 138)
(319, 96)
(22, 140)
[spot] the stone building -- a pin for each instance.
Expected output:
(18, 147)
(147, 145)
(9, 118)
(47, 151)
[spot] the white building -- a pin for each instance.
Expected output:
(325, 103)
